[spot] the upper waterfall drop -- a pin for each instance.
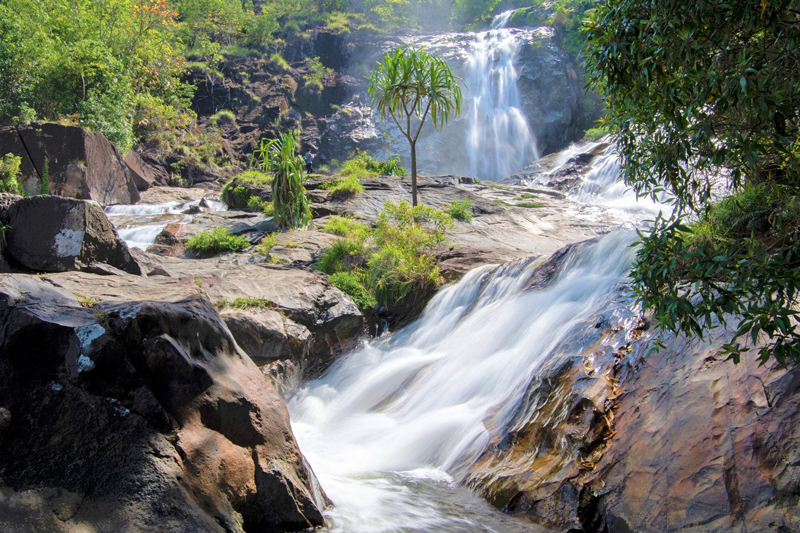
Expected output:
(499, 139)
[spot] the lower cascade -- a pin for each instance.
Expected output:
(394, 426)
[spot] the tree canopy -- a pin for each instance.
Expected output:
(703, 99)
(409, 85)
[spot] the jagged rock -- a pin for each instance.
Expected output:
(266, 336)
(80, 164)
(53, 234)
(143, 173)
(303, 296)
(139, 416)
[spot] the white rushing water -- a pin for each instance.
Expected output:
(603, 185)
(139, 224)
(410, 414)
(499, 140)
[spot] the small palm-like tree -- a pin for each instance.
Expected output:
(409, 85)
(292, 208)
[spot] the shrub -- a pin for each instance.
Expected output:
(345, 187)
(351, 284)
(236, 195)
(344, 227)
(254, 203)
(366, 166)
(315, 73)
(291, 204)
(280, 62)
(216, 241)
(593, 134)
(266, 244)
(461, 209)
(223, 117)
(341, 255)
(268, 209)
(389, 261)
(9, 169)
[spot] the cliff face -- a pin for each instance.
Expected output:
(337, 119)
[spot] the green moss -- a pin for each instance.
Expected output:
(216, 241)
(245, 302)
(529, 204)
(223, 117)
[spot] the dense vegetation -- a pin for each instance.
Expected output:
(703, 100)
(389, 264)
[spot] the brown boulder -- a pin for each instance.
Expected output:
(52, 234)
(80, 164)
(139, 416)
(143, 173)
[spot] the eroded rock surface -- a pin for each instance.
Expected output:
(139, 415)
(76, 163)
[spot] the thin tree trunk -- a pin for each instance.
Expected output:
(414, 174)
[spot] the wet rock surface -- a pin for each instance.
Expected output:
(139, 415)
(613, 439)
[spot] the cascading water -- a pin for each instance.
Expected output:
(499, 139)
(139, 225)
(391, 427)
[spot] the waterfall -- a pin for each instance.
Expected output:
(409, 414)
(603, 186)
(499, 140)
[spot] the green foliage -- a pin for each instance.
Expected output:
(223, 117)
(594, 134)
(237, 194)
(266, 244)
(290, 202)
(364, 165)
(254, 203)
(315, 73)
(216, 241)
(529, 204)
(391, 260)
(9, 170)
(281, 63)
(244, 303)
(410, 83)
(91, 60)
(346, 227)
(352, 284)
(701, 96)
(461, 209)
(344, 186)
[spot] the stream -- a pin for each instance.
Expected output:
(392, 428)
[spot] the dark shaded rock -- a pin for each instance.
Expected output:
(53, 234)
(139, 416)
(266, 336)
(143, 173)
(80, 164)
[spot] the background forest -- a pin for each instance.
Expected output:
(120, 66)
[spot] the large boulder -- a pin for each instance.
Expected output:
(143, 172)
(76, 163)
(139, 416)
(53, 234)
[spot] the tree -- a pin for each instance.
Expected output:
(410, 83)
(703, 99)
